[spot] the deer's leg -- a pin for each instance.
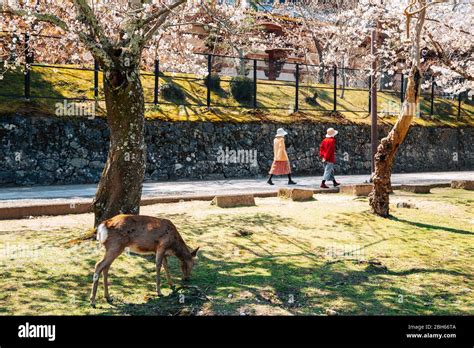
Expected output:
(106, 284)
(99, 266)
(159, 260)
(167, 271)
(109, 257)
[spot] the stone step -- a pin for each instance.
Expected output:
(463, 184)
(416, 188)
(329, 190)
(357, 190)
(231, 201)
(296, 194)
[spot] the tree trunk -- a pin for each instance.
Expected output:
(120, 186)
(386, 151)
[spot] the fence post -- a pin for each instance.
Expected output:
(370, 95)
(297, 87)
(157, 75)
(27, 85)
(209, 70)
(432, 96)
(254, 83)
(402, 88)
(335, 88)
(96, 79)
(459, 105)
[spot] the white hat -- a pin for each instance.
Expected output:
(331, 132)
(281, 132)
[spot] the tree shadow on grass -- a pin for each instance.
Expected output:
(277, 281)
(284, 287)
(298, 281)
(281, 283)
(431, 227)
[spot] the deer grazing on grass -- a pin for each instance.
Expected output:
(143, 235)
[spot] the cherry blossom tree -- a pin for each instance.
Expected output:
(234, 31)
(440, 44)
(416, 10)
(115, 34)
(123, 36)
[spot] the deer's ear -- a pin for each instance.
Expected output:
(194, 252)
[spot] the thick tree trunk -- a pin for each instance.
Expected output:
(386, 151)
(120, 186)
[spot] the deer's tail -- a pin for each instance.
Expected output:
(102, 233)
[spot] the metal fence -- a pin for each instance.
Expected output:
(276, 84)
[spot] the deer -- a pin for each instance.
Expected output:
(142, 235)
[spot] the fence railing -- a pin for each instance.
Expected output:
(303, 86)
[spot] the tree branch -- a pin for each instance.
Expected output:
(40, 17)
(88, 17)
(161, 12)
(443, 57)
(449, 27)
(153, 29)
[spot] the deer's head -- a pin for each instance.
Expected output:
(188, 263)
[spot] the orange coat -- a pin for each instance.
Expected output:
(279, 149)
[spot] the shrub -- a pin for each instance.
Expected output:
(312, 100)
(172, 92)
(214, 82)
(241, 88)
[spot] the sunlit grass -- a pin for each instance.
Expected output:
(300, 258)
(275, 101)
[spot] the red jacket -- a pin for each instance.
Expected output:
(327, 150)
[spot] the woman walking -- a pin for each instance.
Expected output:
(281, 163)
(327, 151)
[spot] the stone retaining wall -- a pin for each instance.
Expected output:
(36, 150)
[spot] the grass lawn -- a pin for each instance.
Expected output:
(275, 100)
(294, 258)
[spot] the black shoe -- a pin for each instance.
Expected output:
(336, 184)
(291, 182)
(270, 182)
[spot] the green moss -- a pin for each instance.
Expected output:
(66, 83)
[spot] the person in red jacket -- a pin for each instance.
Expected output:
(327, 151)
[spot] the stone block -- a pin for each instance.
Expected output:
(295, 194)
(356, 190)
(230, 201)
(463, 184)
(416, 188)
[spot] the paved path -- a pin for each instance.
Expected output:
(40, 194)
